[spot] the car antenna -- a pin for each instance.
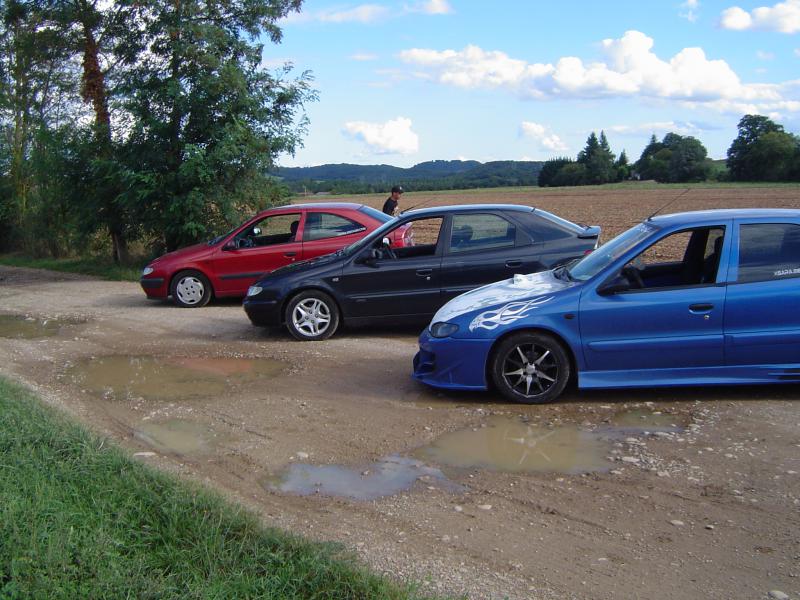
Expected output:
(416, 205)
(683, 193)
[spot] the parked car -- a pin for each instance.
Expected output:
(230, 263)
(698, 298)
(447, 251)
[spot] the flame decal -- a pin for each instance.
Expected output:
(513, 311)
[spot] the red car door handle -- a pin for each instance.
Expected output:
(290, 253)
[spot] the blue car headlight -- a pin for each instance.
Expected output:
(442, 329)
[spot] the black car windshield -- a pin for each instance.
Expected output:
(366, 241)
(593, 263)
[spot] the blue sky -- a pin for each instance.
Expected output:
(404, 82)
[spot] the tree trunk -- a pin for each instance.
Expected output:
(93, 90)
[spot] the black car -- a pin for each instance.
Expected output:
(445, 251)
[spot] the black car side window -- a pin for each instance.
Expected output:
(477, 231)
(768, 251)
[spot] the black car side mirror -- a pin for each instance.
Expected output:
(368, 258)
(617, 284)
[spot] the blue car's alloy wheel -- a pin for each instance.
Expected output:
(531, 368)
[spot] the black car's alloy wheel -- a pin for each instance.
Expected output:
(190, 289)
(312, 316)
(531, 368)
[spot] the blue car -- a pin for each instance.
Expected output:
(696, 298)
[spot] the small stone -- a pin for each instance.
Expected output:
(458, 508)
(663, 474)
(778, 595)
(302, 455)
(709, 527)
(485, 506)
(676, 523)
(630, 459)
(144, 454)
(616, 472)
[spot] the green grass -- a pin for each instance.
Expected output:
(96, 266)
(79, 519)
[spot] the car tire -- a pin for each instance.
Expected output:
(312, 316)
(191, 289)
(530, 368)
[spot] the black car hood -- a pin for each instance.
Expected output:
(307, 265)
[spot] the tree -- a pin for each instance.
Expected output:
(687, 161)
(598, 160)
(622, 168)
(550, 169)
(207, 121)
(743, 165)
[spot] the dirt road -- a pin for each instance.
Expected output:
(628, 494)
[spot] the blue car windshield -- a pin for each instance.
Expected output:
(593, 263)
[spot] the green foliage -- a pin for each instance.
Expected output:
(78, 519)
(763, 151)
(550, 169)
(432, 175)
(676, 159)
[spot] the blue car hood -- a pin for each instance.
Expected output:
(537, 287)
(307, 264)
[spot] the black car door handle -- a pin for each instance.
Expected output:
(700, 307)
(290, 253)
(424, 272)
(513, 263)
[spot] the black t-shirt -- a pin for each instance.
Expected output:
(389, 206)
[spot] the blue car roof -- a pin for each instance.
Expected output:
(701, 216)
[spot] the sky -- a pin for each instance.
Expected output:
(405, 82)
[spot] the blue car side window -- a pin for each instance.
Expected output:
(768, 251)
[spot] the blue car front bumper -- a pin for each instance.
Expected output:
(452, 363)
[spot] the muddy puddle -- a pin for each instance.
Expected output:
(511, 445)
(28, 328)
(171, 378)
(386, 477)
(178, 436)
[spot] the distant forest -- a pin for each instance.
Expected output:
(431, 175)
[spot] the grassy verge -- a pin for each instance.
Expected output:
(78, 519)
(88, 266)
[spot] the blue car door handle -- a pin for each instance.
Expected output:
(513, 263)
(424, 272)
(699, 308)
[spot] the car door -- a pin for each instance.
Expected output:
(401, 282)
(667, 324)
(326, 231)
(259, 247)
(481, 248)
(762, 310)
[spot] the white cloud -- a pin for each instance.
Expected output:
(682, 128)
(363, 13)
(689, 10)
(543, 136)
(363, 57)
(797, 51)
(762, 55)
(630, 68)
(392, 137)
(783, 17)
(430, 7)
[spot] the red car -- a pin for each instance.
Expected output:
(230, 263)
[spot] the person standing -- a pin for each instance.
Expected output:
(390, 206)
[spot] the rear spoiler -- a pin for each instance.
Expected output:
(590, 231)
